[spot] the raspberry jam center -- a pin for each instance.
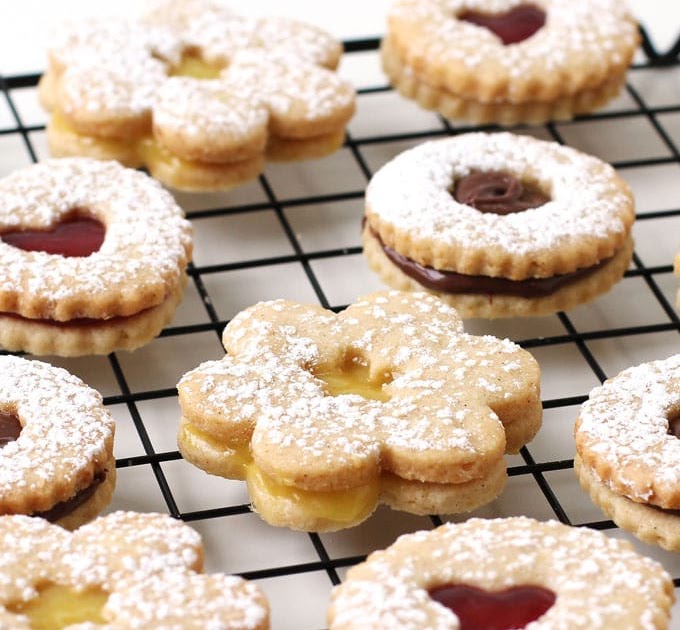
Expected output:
(74, 236)
(10, 428)
(478, 609)
(515, 25)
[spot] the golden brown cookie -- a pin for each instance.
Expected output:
(512, 61)
(56, 444)
(389, 401)
(499, 224)
(676, 268)
(93, 258)
(504, 573)
(123, 571)
(628, 451)
(195, 93)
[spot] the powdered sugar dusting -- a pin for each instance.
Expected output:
(146, 248)
(600, 583)
(623, 431)
(66, 431)
(411, 194)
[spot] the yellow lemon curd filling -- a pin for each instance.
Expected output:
(192, 65)
(333, 505)
(58, 606)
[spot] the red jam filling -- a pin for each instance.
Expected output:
(497, 192)
(478, 609)
(515, 25)
(75, 236)
(10, 428)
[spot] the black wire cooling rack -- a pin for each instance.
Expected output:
(309, 214)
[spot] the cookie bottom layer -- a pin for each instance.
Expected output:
(282, 506)
(646, 522)
(69, 339)
(406, 81)
(492, 306)
(181, 174)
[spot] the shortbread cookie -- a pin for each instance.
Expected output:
(499, 225)
(122, 571)
(56, 444)
(509, 62)
(504, 574)
(93, 258)
(676, 268)
(628, 451)
(389, 401)
(198, 95)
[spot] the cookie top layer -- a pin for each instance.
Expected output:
(145, 564)
(588, 218)
(142, 260)
(66, 435)
(578, 48)
(442, 385)
(600, 582)
(622, 433)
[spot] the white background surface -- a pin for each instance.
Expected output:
(242, 543)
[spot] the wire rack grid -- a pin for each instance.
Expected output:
(295, 233)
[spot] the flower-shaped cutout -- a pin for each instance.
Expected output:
(196, 93)
(124, 570)
(327, 415)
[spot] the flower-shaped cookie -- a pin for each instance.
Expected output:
(326, 415)
(196, 93)
(122, 571)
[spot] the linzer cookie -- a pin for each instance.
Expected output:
(56, 444)
(93, 258)
(499, 225)
(504, 574)
(197, 94)
(509, 61)
(677, 273)
(628, 451)
(122, 571)
(389, 401)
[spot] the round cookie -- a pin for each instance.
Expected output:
(504, 573)
(389, 401)
(124, 571)
(197, 94)
(56, 444)
(499, 224)
(628, 451)
(93, 258)
(509, 62)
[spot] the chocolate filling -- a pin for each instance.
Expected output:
(64, 508)
(513, 26)
(10, 428)
(452, 282)
(497, 192)
(674, 425)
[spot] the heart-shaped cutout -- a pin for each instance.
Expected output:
(75, 236)
(478, 609)
(515, 25)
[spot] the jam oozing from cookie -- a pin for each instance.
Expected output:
(193, 65)
(513, 26)
(353, 377)
(10, 428)
(58, 606)
(75, 236)
(510, 609)
(497, 192)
